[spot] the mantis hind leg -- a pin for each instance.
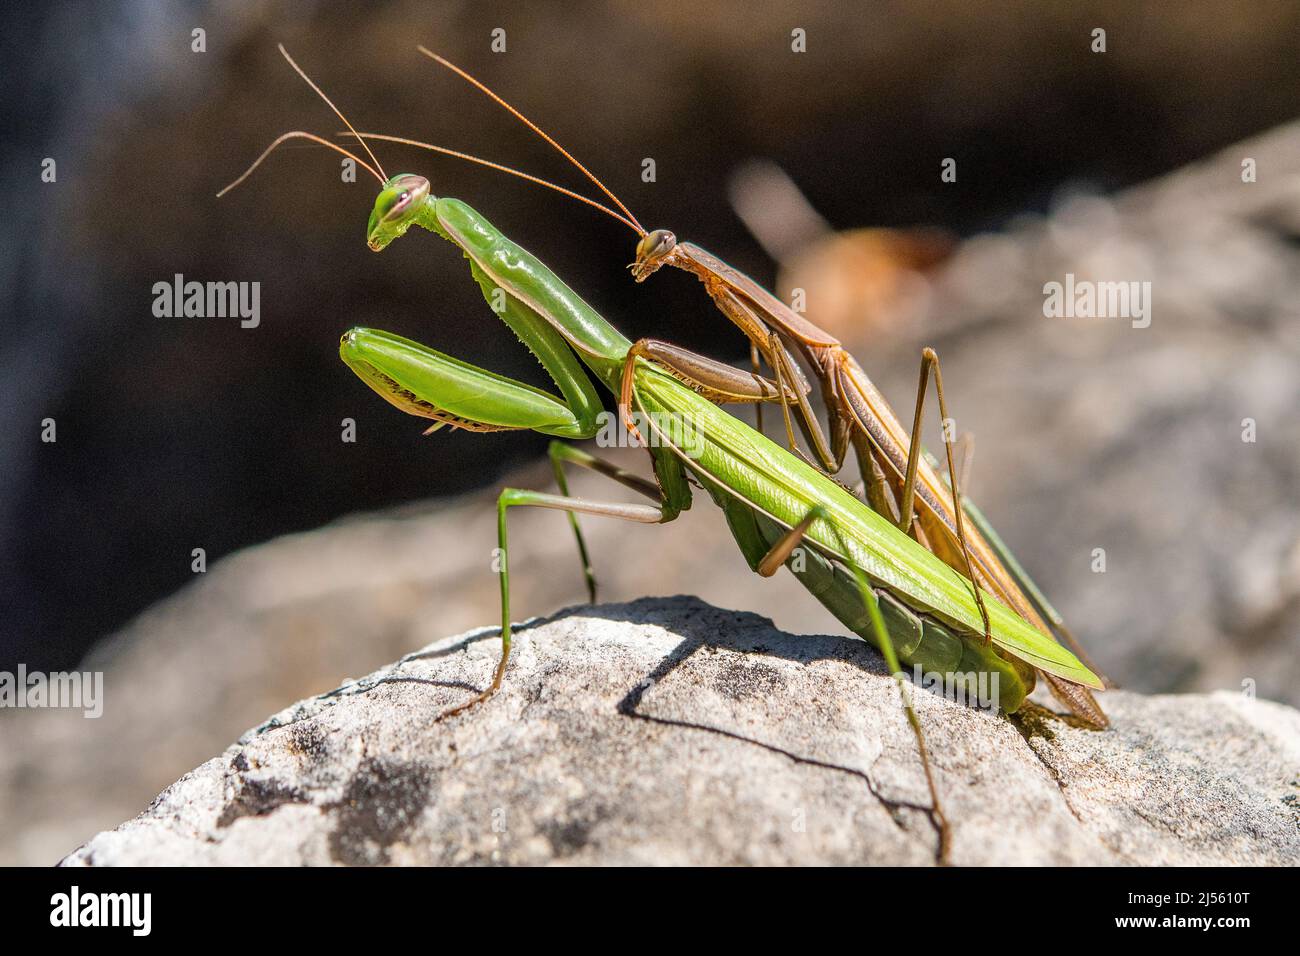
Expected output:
(778, 554)
(929, 364)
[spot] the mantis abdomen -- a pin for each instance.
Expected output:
(919, 640)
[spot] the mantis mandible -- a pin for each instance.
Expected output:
(900, 479)
(878, 581)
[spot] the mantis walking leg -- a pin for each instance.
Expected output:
(930, 361)
(777, 556)
(561, 452)
(514, 497)
(830, 454)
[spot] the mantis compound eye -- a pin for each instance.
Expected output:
(401, 193)
(655, 244)
(395, 209)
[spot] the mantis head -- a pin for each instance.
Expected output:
(652, 252)
(396, 208)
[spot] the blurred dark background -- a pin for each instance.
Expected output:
(180, 433)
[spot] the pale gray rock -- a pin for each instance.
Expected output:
(668, 731)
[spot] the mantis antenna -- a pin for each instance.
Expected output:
(457, 154)
(378, 172)
(299, 134)
(336, 110)
(483, 87)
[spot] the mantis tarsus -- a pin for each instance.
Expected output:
(900, 480)
(877, 580)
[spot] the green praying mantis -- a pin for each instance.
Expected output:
(781, 509)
